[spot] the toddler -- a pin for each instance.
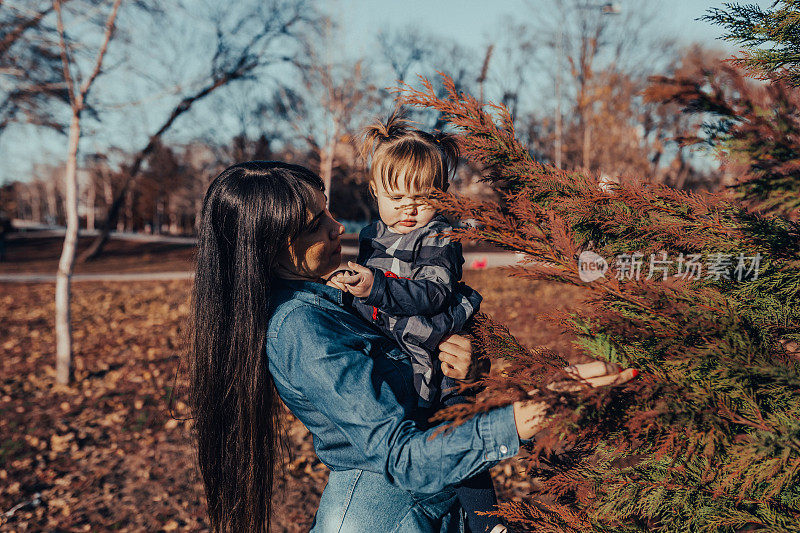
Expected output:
(407, 278)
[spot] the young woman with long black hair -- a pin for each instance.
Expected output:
(266, 325)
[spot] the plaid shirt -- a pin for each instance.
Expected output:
(417, 297)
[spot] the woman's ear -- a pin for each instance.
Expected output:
(286, 260)
(285, 255)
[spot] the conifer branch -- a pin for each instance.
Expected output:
(719, 395)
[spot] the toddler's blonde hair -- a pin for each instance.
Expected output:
(426, 161)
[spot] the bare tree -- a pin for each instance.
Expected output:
(512, 74)
(565, 47)
(409, 53)
(97, 175)
(78, 93)
(253, 127)
(239, 55)
(337, 99)
(31, 81)
(404, 49)
(331, 104)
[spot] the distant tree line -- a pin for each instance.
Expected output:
(599, 122)
(166, 94)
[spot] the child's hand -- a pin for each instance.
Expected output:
(455, 353)
(359, 283)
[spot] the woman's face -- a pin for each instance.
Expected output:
(317, 250)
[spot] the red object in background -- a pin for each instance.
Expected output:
(479, 264)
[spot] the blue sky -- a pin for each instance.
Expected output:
(472, 23)
(475, 21)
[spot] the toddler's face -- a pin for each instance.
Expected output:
(402, 210)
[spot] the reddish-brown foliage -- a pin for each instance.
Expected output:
(754, 126)
(703, 423)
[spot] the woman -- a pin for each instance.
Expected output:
(265, 324)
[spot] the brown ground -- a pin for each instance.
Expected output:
(104, 453)
(36, 254)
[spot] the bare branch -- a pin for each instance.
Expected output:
(227, 65)
(17, 32)
(65, 62)
(109, 31)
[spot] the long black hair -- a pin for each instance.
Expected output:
(250, 213)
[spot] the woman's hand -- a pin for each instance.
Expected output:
(455, 354)
(595, 374)
(334, 282)
(528, 416)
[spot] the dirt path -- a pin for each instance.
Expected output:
(35, 259)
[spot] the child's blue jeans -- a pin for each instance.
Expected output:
(476, 493)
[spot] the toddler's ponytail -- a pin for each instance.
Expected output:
(448, 144)
(394, 149)
(379, 132)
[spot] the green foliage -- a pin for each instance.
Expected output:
(771, 37)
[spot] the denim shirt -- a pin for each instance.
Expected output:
(353, 389)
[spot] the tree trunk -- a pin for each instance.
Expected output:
(198, 211)
(120, 228)
(586, 142)
(157, 216)
(91, 194)
(173, 217)
(559, 133)
(682, 174)
(52, 203)
(129, 224)
(67, 261)
(36, 203)
(108, 194)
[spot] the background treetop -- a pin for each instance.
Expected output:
(771, 37)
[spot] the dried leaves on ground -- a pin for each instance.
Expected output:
(106, 453)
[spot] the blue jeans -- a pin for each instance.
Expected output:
(356, 501)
